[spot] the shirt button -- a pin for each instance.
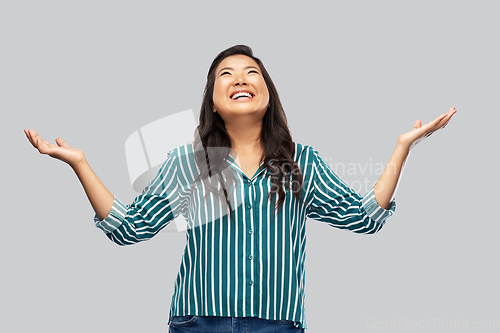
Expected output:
(250, 257)
(250, 231)
(249, 206)
(250, 282)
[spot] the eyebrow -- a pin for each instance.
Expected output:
(230, 68)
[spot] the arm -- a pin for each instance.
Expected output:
(335, 203)
(123, 224)
(386, 186)
(99, 196)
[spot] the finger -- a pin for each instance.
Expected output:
(45, 147)
(37, 139)
(33, 136)
(437, 121)
(41, 142)
(430, 127)
(418, 124)
(28, 135)
(446, 119)
(441, 122)
(32, 133)
(433, 123)
(61, 142)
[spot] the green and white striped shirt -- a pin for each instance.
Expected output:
(256, 266)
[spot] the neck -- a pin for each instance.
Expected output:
(245, 137)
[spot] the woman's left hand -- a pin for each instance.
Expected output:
(410, 139)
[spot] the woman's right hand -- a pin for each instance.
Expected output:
(62, 151)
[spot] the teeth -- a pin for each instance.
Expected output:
(241, 93)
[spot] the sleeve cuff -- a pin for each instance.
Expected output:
(114, 219)
(374, 211)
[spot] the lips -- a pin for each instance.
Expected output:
(241, 95)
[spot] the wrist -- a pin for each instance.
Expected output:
(82, 164)
(403, 148)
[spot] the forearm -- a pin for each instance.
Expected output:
(99, 196)
(385, 188)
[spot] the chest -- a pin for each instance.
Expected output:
(249, 164)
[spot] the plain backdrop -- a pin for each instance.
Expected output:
(352, 77)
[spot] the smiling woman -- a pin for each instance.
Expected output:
(244, 263)
(254, 129)
(241, 98)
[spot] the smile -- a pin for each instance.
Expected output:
(242, 96)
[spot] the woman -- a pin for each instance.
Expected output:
(246, 190)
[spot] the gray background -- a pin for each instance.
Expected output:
(352, 76)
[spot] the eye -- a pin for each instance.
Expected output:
(225, 73)
(253, 71)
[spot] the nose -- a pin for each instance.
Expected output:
(239, 80)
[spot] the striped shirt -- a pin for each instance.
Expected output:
(256, 266)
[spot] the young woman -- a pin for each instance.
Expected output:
(246, 190)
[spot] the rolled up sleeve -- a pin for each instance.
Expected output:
(374, 211)
(114, 219)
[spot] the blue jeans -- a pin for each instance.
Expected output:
(211, 324)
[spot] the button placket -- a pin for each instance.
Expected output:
(250, 199)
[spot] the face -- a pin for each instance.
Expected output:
(240, 89)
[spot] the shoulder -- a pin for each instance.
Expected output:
(181, 152)
(179, 157)
(304, 152)
(307, 158)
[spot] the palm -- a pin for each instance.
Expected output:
(62, 151)
(419, 132)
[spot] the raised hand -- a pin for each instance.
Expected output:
(62, 151)
(411, 139)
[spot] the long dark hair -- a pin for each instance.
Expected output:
(212, 143)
